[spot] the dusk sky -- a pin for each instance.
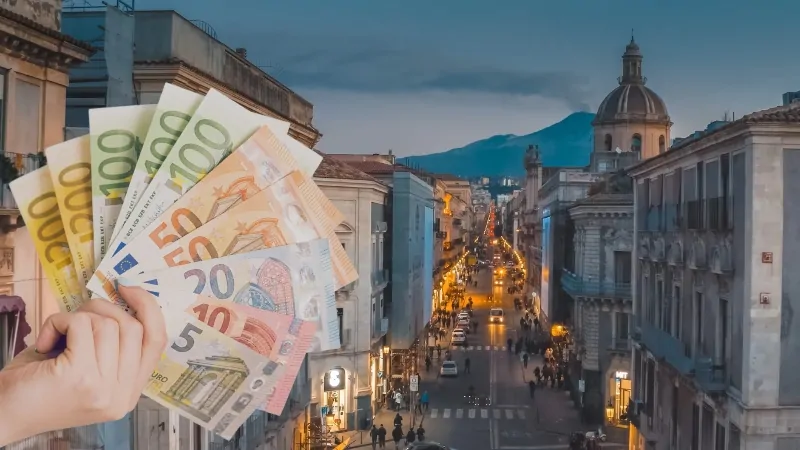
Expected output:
(425, 76)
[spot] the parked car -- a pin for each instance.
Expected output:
(449, 369)
(428, 445)
(463, 322)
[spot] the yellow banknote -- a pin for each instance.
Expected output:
(71, 172)
(36, 198)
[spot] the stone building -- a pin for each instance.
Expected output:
(531, 225)
(715, 289)
(596, 276)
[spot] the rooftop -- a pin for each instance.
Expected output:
(331, 168)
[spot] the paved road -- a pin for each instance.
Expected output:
(514, 421)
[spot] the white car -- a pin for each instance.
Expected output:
(496, 315)
(449, 369)
(458, 337)
(463, 322)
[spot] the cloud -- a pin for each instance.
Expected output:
(366, 66)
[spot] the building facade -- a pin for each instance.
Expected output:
(714, 356)
(596, 276)
(363, 320)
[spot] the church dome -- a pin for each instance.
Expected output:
(632, 100)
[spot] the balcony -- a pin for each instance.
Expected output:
(380, 327)
(620, 345)
(380, 278)
(16, 165)
(710, 377)
(578, 287)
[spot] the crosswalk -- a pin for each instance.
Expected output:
(476, 413)
(470, 348)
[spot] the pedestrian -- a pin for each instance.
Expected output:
(373, 433)
(411, 436)
(398, 399)
(382, 437)
(398, 421)
(525, 360)
(418, 406)
(397, 434)
(420, 433)
(424, 399)
(532, 387)
(467, 366)
(438, 351)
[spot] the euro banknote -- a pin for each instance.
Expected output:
(217, 127)
(210, 378)
(282, 339)
(71, 174)
(258, 163)
(290, 211)
(36, 199)
(174, 110)
(294, 280)
(116, 141)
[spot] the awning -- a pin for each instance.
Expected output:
(12, 304)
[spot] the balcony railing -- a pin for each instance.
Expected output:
(380, 327)
(577, 286)
(667, 347)
(620, 345)
(21, 165)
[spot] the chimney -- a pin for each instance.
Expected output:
(241, 51)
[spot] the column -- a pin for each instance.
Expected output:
(591, 254)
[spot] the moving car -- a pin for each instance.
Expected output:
(463, 315)
(498, 282)
(449, 369)
(458, 337)
(496, 315)
(462, 328)
(463, 322)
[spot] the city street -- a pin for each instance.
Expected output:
(514, 421)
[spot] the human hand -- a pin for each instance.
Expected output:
(98, 377)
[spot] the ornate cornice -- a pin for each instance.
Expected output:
(23, 39)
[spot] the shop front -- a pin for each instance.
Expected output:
(618, 397)
(336, 392)
(379, 363)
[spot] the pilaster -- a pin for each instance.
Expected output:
(591, 253)
(591, 334)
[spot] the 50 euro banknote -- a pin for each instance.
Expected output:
(38, 205)
(258, 163)
(218, 126)
(294, 280)
(290, 211)
(209, 377)
(282, 339)
(173, 112)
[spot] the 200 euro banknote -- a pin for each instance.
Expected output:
(71, 173)
(37, 202)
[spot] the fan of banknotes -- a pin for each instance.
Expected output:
(211, 208)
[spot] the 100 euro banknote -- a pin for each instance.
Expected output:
(71, 173)
(258, 163)
(116, 141)
(217, 127)
(290, 211)
(38, 205)
(210, 378)
(294, 280)
(174, 110)
(282, 339)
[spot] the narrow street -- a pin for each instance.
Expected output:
(513, 421)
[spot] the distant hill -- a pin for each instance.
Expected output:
(564, 144)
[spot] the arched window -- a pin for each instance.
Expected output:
(608, 142)
(662, 144)
(636, 143)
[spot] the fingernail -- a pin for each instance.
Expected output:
(36, 350)
(122, 281)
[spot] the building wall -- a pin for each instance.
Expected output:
(46, 13)
(409, 199)
(622, 137)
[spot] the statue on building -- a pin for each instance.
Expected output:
(532, 156)
(612, 183)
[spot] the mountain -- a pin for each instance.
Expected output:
(564, 144)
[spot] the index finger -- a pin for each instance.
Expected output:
(148, 312)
